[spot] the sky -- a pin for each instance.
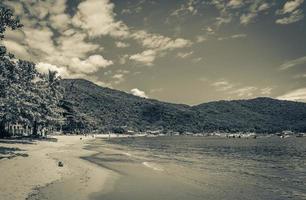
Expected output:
(180, 51)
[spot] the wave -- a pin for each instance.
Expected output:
(152, 166)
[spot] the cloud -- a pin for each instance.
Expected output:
(247, 18)
(294, 17)
(236, 36)
(254, 9)
(263, 7)
(45, 67)
(90, 65)
(200, 38)
(266, 91)
(123, 59)
(188, 7)
(184, 54)
(196, 60)
(157, 45)
(222, 85)
(16, 48)
(230, 88)
(247, 91)
(97, 17)
(122, 44)
(159, 42)
(235, 3)
(300, 76)
(295, 95)
(292, 5)
(293, 63)
(210, 31)
(119, 78)
(51, 35)
(138, 93)
(146, 57)
(290, 8)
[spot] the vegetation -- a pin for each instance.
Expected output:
(26, 96)
(112, 110)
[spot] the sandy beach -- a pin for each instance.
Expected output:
(27, 167)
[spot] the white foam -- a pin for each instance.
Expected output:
(152, 166)
(127, 154)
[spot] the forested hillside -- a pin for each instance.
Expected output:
(107, 109)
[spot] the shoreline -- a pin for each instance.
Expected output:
(24, 177)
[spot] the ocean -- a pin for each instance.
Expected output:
(194, 168)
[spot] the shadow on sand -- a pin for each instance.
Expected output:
(9, 152)
(12, 152)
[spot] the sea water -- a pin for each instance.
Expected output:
(204, 168)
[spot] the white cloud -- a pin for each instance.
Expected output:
(189, 7)
(300, 76)
(119, 78)
(290, 8)
(123, 59)
(291, 5)
(200, 38)
(17, 49)
(90, 65)
(263, 7)
(293, 63)
(222, 85)
(247, 18)
(223, 20)
(60, 21)
(230, 88)
(71, 45)
(295, 95)
(184, 54)
(97, 17)
(146, 57)
(247, 91)
(295, 16)
(138, 93)
(236, 36)
(196, 60)
(210, 31)
(235, 3)
(122, 44)
(159, 42)
(157, 45)
(239, 36)
(45, 67)
(266, 91)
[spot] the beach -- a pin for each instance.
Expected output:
(154, 168)
(33, 165)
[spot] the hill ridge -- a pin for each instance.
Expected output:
(108, 109)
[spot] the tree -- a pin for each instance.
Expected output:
(7, 20)
(26, 96)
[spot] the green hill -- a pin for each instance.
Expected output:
(108, 109)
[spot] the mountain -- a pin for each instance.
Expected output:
(107, 109)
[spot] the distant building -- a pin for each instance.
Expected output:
(18, 129)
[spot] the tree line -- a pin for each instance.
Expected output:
(27, 96)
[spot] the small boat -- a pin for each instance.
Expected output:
(300, 135)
